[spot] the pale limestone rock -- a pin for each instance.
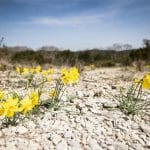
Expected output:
(120, 146)
(94, 145)
(21, 130)
(145, 128)
(55, 138)
(62, 145)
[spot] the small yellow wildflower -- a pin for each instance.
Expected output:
(19, 70)
(69, 76)
(50, 71)
(10, 107)
(26, 105)
(146, 82)
(29, 102)
(35, 98)
(44, 73)
(74, 74)
(37, 69)
(64, 76)
(26, 70)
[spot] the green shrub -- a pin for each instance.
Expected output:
(132, 102)
(28, 57)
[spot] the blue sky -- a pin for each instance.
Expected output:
(74, 24)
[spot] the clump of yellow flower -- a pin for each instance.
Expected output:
(35, 98)
(26, 70)
(26, 105)
(22, 70)
(29, 102)
(19, 70)
(50, 71)
(9, 107)
(146, 82)
(37, 69)
(47, 74)
(69, 76)
(12, 105)
(44, 73)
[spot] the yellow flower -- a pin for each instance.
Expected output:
(69, 76)
(146, 82)
(49, 79)
(29, 102)
(52, 93)
(2, 94)
(10, 107)
(26, 70)
(50, 71)
(19, 70)
(35, 98)
(26, 105)
(44, 73)
(64, 76)
(74, 74)
(137, 80)
(1, 109)
(37, 69)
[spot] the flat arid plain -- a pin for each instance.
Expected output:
(87, 116)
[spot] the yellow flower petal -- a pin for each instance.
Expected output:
(146, 82)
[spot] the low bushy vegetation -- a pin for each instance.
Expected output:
(106, 58)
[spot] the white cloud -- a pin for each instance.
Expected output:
(92, 16)
(76, 20)
(67, 21)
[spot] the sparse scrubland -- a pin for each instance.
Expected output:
(100, 58)
(75, 100)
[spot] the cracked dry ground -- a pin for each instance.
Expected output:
(88, 118)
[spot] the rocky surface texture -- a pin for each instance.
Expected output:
(88, 119)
